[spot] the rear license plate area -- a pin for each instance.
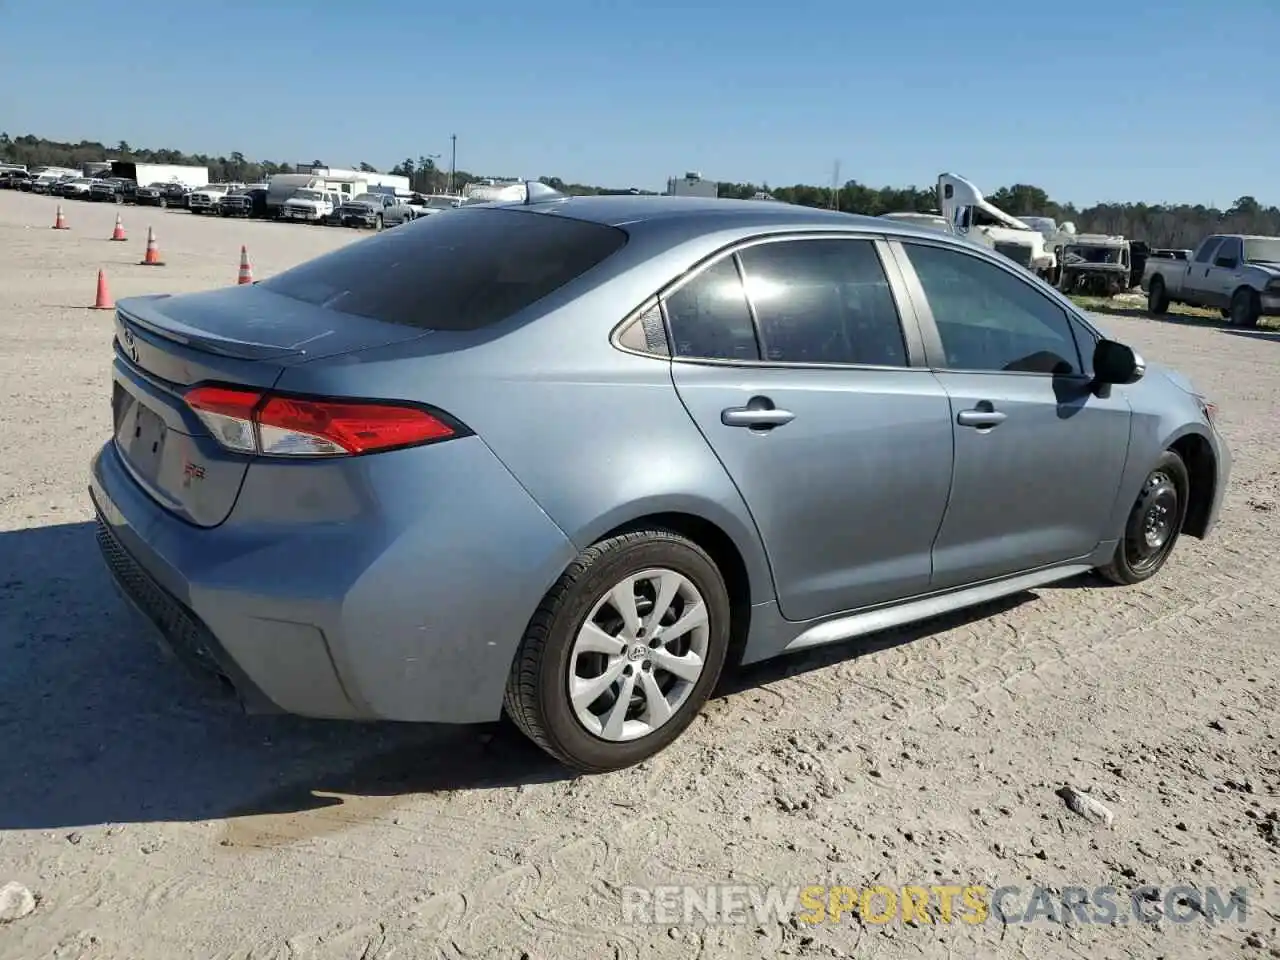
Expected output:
(140, 434)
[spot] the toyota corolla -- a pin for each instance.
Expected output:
(569, 457)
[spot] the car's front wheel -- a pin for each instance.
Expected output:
(623, 651)
(1154, 522)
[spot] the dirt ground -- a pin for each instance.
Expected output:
(150, 823)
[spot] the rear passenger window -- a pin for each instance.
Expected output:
(709, 317)
(823, 301)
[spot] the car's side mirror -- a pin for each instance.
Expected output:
(1115, 363)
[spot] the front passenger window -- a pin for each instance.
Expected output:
(990, 320)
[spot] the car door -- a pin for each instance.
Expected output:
(1038, 455)
(790, 356)
(1197, 284)
(1225, 276)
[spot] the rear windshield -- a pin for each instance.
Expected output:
(459, 270)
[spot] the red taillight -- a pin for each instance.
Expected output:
(250, 421)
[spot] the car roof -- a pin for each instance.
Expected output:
(696, 215)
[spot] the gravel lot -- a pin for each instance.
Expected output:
(151, 823)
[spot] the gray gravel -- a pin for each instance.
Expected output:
(151, 823)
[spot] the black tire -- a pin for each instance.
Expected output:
(377, 223)
(1161, 507)
(537, 695)
(1157, 298)
(1246, 308)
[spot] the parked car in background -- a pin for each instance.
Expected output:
(45, 182)
(205, 200)
(11, 179)
(376, 210)
(1235, 274)
(422, 205)
(310, 205)
(566, 459)
(76, 188)
(244, 203)
(113, 190)
(163, 195)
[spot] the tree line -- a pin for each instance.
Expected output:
(1160, 225)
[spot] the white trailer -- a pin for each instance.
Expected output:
(145, 174)
(399, 184)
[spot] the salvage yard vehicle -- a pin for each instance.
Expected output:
(249, 202)
(205, 200)
(310, 206)
(1237, 274)
(1095, 265)
(971, 215)
(376, 210)
(568, 457)
(112, 190)
(76, 188)
(162, 195)
(426, 204)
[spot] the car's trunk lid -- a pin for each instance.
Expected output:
(242, 336)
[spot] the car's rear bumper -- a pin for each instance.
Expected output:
(410, 607)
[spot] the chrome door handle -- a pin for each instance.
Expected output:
(980, 418)
(755, 417)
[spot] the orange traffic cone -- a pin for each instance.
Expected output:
(152, 256)
(60, 222)
(118, 232)
(246, 271)
(103, 300)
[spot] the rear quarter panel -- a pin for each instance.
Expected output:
(597, 437)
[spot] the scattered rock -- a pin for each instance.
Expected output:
(1216, 725)
(74, 837)
(1083, 805)
(1255, 941)
(16, 902)
(674, 933)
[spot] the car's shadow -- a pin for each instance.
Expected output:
(96, 726)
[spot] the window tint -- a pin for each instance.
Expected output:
(1207, 248)
(990, 320)
(460, 270)
(709, 317)
(1228, 250)
(823, 301)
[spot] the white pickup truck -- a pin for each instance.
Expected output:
(1238, 275)
(311, 205)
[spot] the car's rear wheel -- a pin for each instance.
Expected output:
(623, 651)
(1154, 523)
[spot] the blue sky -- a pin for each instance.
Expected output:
(1131, 100)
